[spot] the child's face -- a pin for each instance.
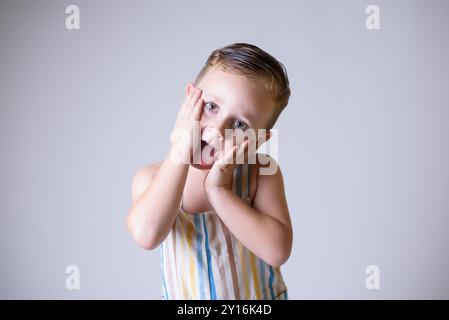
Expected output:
(232, 101)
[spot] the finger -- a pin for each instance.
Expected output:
(195, 97)
(191, 96)
(227, 159)
(196, 113)
(251, 150)
(190, 103)
(187, 101)
(242, 151)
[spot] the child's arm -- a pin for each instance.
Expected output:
(265, 229)
(156, 191)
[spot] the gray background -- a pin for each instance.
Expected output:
(363, 142)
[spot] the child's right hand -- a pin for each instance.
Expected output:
(187, 121)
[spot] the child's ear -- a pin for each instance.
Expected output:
(189, 88)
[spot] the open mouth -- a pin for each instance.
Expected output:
(207, 153)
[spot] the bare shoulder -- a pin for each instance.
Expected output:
(266, 168)
(266, 171)
(143, 178)
(269, 196)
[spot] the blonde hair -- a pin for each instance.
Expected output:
(254, 63)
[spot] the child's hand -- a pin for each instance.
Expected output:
(220, 175)
(187, 122)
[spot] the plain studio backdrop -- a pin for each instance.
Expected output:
(363, 143)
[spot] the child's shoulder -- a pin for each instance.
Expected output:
(270, 192)
(143, 178)
(265, 165)
(265, 174)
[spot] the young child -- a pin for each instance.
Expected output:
(222, 227)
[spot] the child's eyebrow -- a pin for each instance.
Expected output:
(247, 119)
(218, 99)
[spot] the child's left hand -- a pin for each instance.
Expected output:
(220, 175)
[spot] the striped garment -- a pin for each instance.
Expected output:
(201, 258)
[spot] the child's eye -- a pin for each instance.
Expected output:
(239, 124)
(210, 106)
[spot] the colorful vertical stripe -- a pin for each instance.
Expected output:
(202, 259)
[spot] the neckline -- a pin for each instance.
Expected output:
(196, 213)
(239, 171)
